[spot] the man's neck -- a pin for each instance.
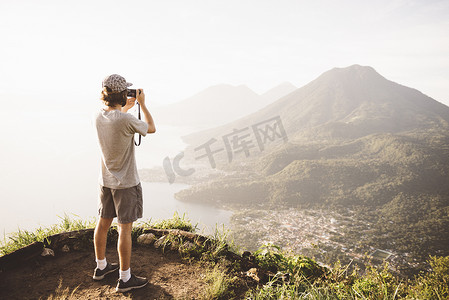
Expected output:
(116, 107)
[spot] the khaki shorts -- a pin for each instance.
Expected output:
(125, 204)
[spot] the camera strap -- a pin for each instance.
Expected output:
(138, 116)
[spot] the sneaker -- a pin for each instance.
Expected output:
(99, 274)
(135, 282)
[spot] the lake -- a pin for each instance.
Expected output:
(50, 164)
(159, 203)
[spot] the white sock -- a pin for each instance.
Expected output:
(125, 275)
(101, 263)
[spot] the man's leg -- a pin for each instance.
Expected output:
(100, 240)
(100, 237)
(127, 281)
(124, 245)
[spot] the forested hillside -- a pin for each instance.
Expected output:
(357, 142)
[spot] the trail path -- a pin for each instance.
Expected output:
(169, 277)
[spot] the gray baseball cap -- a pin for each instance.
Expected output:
(116, 83)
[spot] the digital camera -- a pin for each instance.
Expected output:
(132, 93)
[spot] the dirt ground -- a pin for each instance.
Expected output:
(169, 277)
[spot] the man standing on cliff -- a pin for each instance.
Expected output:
(120, 189)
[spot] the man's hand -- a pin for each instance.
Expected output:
(130, 102)
(140, 96)
(147, 116)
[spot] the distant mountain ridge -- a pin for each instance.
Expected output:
(278, 92)
(218, 104)
(345, 103)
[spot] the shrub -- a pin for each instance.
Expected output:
(434, 284)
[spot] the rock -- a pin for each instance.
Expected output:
(65, 248)
(174, 245)
(187, 246)
(160, 242)
(146, 239)
(252, 273)
(47, 252)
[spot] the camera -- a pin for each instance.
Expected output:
(132, 93)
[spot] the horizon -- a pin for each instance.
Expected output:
(24, 95)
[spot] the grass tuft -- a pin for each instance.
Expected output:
(218, 285)
(22, 238)
(176, 222)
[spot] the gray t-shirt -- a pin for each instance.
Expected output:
(115, 131)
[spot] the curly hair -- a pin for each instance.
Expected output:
(112, 99)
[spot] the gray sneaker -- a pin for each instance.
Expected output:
(135, 282)
(99, 274)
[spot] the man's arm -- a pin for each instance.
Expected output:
(147, 116)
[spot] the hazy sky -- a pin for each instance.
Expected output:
(54, 55)
(174, 49)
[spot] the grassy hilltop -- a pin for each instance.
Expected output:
(268, 273)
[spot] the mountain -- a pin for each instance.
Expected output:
(278, 92)
(345, 103)
(357, 143)
(217, 105)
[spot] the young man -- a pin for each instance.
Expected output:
(120, 189)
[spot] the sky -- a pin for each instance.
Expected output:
(55, 54)
(174, 49)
